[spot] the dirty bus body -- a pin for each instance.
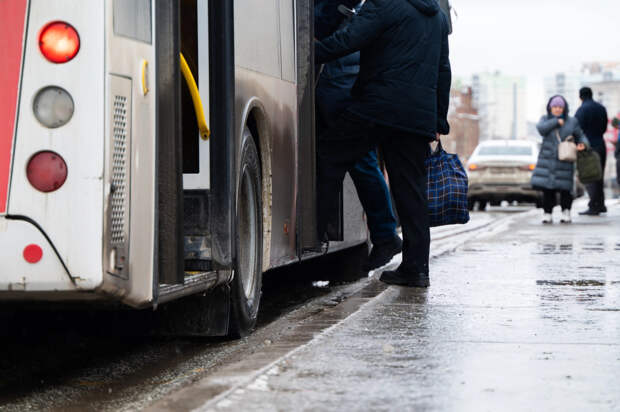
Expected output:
(111, 188)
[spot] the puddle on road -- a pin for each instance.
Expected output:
(553, 249)
(578, 282)
(603, 309)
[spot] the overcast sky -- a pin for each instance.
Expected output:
(533, 37)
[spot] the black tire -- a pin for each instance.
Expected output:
(248, 272)
(496, 202)
(482, 205)
(470, 204)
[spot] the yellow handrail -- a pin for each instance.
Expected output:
(205, 133)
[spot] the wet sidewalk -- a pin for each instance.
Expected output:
(528, 319)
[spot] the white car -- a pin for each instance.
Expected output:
(501, 170)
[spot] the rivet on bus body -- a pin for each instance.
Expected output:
(33, 253)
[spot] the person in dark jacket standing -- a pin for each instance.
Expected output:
(552, 175)
(333, 96)
(592, 117)
(400, 101)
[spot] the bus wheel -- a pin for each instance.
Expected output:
(247, 279)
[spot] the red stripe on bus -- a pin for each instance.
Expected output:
(13, 14)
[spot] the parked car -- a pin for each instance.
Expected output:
(501, 170)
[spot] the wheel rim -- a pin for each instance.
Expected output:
(248, 226)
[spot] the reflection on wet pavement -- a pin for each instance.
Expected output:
(525, 320)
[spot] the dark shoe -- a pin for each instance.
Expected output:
(590, 212)
(382, 253)
(394, 277)
(604, 209)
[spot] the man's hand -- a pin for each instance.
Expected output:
(561, 122)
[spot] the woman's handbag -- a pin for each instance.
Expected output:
(589, 168)
(567, 149)
(447, 189)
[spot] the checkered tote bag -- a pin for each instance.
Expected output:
(447, 189)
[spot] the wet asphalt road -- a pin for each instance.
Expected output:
(75, 360)
(527, 320)
(91, 361)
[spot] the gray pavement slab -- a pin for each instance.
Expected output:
(528, 319)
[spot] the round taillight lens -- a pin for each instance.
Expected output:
(53, 107)
(33, 253)
(59, 42)
(46, 171)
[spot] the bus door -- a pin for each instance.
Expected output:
(194, 32)
(307, 234)
(208, 162)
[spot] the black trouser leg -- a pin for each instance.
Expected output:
(549, 200)
(340, 147)
(405, 157)
(596, 189)
(566, 199)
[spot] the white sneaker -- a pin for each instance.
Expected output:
(547, 218)
(565, 216)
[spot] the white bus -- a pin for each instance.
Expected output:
(130, 174)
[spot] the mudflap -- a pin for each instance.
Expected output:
(203, 314)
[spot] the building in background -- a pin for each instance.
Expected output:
(464, 123)
(568, 84)
(502, 105)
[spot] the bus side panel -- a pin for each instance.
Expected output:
(130, 217)
(279, 101)
(259, 55)
(72, 215)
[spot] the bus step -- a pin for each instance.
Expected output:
(193, 266)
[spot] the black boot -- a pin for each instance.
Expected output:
(396, 277)
(590, 212)
(383, 252)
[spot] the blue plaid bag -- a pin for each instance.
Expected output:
(447, 189)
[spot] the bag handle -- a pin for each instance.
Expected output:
(438, 149)
(570, 138)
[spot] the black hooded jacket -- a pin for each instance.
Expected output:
(405, 74)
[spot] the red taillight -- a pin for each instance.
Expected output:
(529, 167)
(59, 42)
(46, 171)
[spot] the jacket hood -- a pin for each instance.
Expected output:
(427, 7)
(566, 109)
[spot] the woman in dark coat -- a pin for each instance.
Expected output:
(551, 175)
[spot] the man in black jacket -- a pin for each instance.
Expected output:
(592, 117)
(333, 96)
(400, 101)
